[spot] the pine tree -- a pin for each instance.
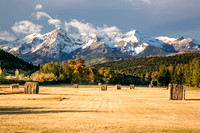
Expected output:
(171, 73)
(196, 75)
(178, 74)
(187, 75)
(162, 75)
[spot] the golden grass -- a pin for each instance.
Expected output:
(88, 109)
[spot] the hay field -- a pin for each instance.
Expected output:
(87, 109)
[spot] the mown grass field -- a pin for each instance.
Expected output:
(87, 109)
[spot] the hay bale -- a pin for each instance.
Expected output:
(150, 86)
(14, 86)
(176, 92)
(118, 87)
(75, 85)
(31, 88)
(99, 84)
(132, 86)
(169, 86)
(103, 87)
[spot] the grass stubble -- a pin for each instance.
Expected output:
(87, 109)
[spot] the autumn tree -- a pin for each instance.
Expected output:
(2, 73)
(17, 74)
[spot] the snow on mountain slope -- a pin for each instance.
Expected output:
(51, 42)
(60, 45)
(181, 43)
(137, 37)
(134, 42)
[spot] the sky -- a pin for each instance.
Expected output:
(172, 18)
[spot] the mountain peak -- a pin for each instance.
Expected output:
(134, 32)
(180, 38)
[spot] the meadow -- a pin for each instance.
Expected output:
(62, 108)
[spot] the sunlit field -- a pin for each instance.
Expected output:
(88, 109)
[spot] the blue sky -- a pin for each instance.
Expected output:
(172, 18)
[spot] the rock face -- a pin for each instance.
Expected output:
(58, 45)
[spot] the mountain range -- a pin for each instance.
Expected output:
(59, 45)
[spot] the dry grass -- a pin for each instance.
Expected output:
(87, 109)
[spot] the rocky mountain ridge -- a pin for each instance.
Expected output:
(59, 45)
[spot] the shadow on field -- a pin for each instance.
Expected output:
(11, 93)
(192, 99)
(73, 94)
(52, 94)
(34, 110)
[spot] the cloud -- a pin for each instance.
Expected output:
(55, 22)
(5, 35)
(38, 15)
(38, 7)
(86, 30)
(89, 28)
(139, 2)
(147, 1)
(26, 27)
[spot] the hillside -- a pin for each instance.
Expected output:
(10, 62)
(139, 66)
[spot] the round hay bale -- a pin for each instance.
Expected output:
(132, 86)
(103, 87)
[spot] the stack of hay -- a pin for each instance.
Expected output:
(14, 86)
(75, 85)
(31, 88)
(150, 86)
(118, 87)
(132, 86)
(103, 87)
(176, 92)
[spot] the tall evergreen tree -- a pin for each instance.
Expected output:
(196, 75)
(178, 74)
(162, 75)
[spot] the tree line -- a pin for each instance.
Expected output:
(74, 71)
(187, 74)
(158, 71)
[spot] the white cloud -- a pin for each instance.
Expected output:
(38, 15)
(147, 1)
(38, 7)
(26, 27)
(5, 35)
(80, 26)
(86, 30)
(55, 22)
(138, 2)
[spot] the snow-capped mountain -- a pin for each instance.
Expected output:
(181, 43)
(58, 45)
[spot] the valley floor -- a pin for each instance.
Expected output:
(87, 109)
